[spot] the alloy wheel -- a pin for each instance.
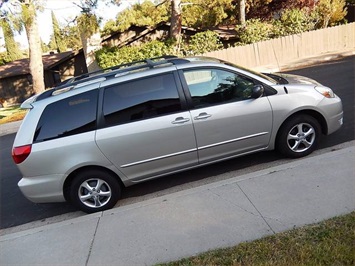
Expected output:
(301, 137)
(94, 193)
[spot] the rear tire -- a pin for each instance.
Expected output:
(298, 136)
(95, 191)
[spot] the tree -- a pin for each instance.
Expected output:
(175, 20)
(26, 15)
(71, 37)
(12, 49)
(203, 42)
(268, 9)
(209, 13)
(241, 13)
(144, 14)
(88, 24)
(29, 19)
(90, 38)
(58, 38)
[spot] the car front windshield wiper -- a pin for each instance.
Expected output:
(278, 79)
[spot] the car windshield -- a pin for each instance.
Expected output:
(261, 75)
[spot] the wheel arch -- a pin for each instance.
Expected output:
(315, 120)
(68, 181)
(318, 116)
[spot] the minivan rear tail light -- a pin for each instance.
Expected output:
(19, 154)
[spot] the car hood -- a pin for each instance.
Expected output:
(295, 79)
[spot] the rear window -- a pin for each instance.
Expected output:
(70, 116)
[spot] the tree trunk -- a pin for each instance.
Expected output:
(241, 15)
(175, 21)
(35, 49)
(90, 45)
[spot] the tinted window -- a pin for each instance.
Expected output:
(67, 117)
(141, 99)
(215, 86)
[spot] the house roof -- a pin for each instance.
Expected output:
(22, 66)
(142, 31)
(224, 32)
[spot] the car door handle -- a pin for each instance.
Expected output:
(180, 120)
(202, 116)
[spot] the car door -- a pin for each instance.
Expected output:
(227, 121)
(145, 131)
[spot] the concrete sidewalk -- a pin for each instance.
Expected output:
(192, 221)
(9, 128)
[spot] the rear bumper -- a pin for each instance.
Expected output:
(42, 189)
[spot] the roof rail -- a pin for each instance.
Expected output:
(100, 75)
(151, 62)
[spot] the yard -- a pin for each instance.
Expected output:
(11, 114)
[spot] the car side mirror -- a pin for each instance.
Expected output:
(258, 91)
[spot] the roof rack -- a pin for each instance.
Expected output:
(97, 76)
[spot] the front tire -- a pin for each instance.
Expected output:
(298, 136)
(94, 191)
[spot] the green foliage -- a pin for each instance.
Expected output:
(51, 45)
(71, 37)
(195, 13)
(267, 9)
(145, 14)
(255, 30)
(200, 43)
(294, 21)
(28, 13)
(12, 49)
(45, 47)
(88, 23)
(3, 59)
(108, 57)
(109, 28)
(291, 21)
(208, 13)
(57, 34)
(203, 42)
(330, 12)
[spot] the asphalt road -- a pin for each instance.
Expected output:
(16, 210)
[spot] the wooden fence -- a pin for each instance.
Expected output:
(283, 50)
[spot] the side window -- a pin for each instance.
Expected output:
(70, 116)
(214, 86)
(141, 99)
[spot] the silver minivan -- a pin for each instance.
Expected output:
(87, 139)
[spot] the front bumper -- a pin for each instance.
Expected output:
(332, 110)
(335, 123)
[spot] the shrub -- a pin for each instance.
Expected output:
(254, 30)
(203, 42)
(108, 57)
(200, 43)
(294, 21)
(331, 12)
(291, 21)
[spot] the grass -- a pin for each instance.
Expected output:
(327, 243)
(11, 114)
